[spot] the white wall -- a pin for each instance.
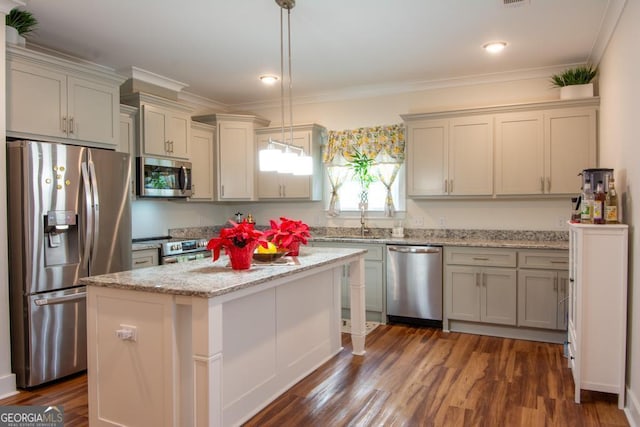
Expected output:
(154, 217)
(619, 148)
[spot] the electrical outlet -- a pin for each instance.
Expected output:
(442, 221)
(418, 221)
(562, 222)
(127, 333)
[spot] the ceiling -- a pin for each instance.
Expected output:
(219, 48)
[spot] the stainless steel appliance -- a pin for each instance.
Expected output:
(163, 178)
(414, 284)
(69, 217)
(183, 250)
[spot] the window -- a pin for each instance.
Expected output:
(384, 145)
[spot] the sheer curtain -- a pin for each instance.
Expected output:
(384, 144)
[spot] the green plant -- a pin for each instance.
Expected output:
(21, 20)
(361, 167)
(575, 76)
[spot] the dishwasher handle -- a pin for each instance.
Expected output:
(414, 249)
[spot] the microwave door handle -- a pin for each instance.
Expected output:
(184, 179)
(88, 215)
(96, 207)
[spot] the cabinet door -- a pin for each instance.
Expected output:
(373, 278)
(269, 186)
(471, 156)
(538, 298)
(154, 125)
(36, 100)
(498, 296)
(235, 160)
(178, 134)
(201, 164)
(427, 158)
(93, 111)
(519, 153)
(298, 186)
(570, 142)
(563, 300)
(462, 290)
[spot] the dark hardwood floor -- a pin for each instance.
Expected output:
(413, 377)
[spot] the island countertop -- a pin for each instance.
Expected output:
(207, 279)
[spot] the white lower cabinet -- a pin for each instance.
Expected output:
(144, 258)
(518, 293)
(597, 330)
(375, 282)
(481, 294)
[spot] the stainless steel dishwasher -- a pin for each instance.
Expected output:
(414, 284)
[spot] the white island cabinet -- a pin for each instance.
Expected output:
(199, 344)
(597, 330)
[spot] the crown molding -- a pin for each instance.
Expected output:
(139, 74)
(200, 103)
(607, 27)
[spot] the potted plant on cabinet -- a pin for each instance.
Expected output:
(239, 241)
(288, 235)
(575, 82)
(18, 23)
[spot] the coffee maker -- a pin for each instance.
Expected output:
(596, 175)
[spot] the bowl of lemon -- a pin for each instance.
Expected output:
(268, 254)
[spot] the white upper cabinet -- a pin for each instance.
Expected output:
(202, 161)
(450, 157)
(515, 150)
(277, 186)
(56, 99)
(164, 126)
(235, 154)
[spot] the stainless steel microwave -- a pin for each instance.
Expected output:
(163, 178)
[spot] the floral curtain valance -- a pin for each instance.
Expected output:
(384, 144)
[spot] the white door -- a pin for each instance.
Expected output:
(471, 156)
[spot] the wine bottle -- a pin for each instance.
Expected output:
(611, 204)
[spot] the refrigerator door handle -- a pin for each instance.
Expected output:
(96, 206)
(89, 216)
(60, 300)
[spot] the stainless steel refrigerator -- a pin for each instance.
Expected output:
(69, 217)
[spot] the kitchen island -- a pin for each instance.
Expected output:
(197, 343)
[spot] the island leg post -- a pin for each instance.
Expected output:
(358, 314)
(207, 362)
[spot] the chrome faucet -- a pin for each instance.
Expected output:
(363, 229)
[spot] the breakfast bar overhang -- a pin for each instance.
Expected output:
(200, 344)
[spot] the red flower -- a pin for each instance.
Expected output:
(238, 235)
(289, 231)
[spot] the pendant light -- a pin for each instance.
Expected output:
(292, 159)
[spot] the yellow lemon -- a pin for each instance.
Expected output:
(270, 249)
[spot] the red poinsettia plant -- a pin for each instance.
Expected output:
(288, 233)
(239, 235)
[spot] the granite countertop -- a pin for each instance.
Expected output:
(443, 241)
(206, 279)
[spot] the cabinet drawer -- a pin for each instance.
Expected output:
(144, 258)
(480, 256)
(548, 260)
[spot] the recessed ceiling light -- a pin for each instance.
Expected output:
(494, 47)
(268, 79)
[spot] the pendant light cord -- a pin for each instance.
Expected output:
(290, 79)
(282, 73)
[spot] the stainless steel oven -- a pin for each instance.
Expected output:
(163, 178)
(183, 251)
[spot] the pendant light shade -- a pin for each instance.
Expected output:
(292, 159)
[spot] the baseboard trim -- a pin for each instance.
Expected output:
(8, 386)
(632, 409)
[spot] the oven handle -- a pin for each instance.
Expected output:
(62, 299)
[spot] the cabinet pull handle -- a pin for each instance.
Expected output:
(193, 189)
(542, 184)
(64, 124)
(477, 279)
(166, 146)
(284, 191)
(141, 262)
(71, 125)
(555, 284)
(548, 185)
(222, 190)
(484, 280)
(480, 259)
(450, 186)
(171, 147)
(445, 186)
(559, 262)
